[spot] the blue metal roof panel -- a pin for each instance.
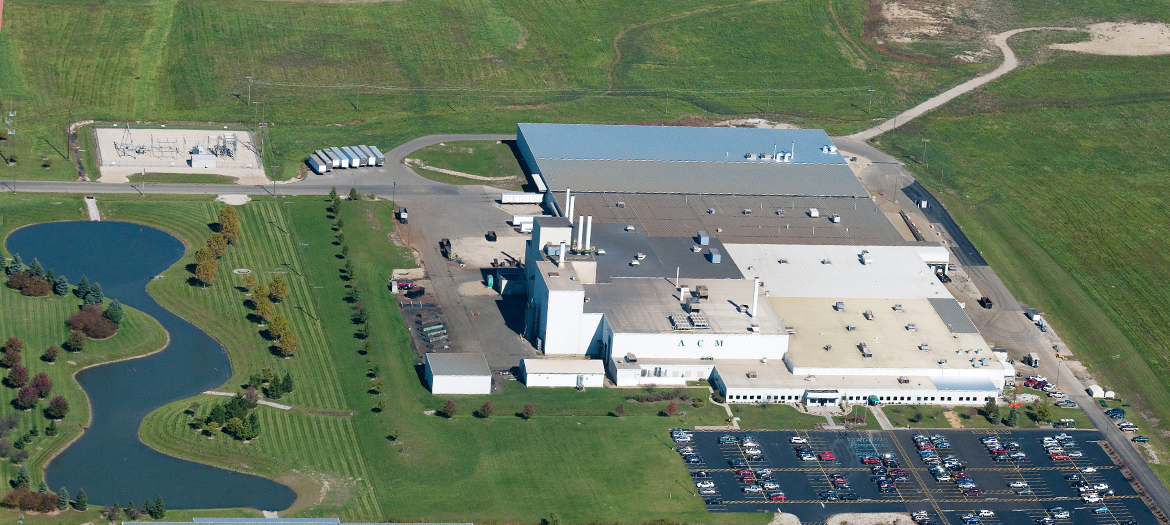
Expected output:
(674, 143)
(953, 315)
(960, 383)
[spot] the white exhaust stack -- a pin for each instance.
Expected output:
(580, 233)
(755, 296)
(561, 256)
(568, 205)
(589, 234)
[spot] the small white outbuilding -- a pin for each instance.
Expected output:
(1096, 391)
(586, 373)
(458, 374)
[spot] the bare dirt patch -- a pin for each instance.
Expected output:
(1122, 39)
(755, 123)
(874, 518)
(953, 419)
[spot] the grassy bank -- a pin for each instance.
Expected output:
(1054, 173)
(485, 158)
(40, 322)
(473, 66)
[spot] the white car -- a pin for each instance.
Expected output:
(986, 514)
(1062, 515)
(753, 452)
(771, 485)
(705, 484)
(1018, 484)
(797, 439)
(1076, 454)
(752, 489)
(1101, 486)
(1089, 469)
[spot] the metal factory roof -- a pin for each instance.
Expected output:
(953, 315)
(716, 178)
(675, 143)
(772, 220)
(661, 256)
(465, 364)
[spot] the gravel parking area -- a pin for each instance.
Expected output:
(805, 483)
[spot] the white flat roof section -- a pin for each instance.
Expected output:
(887, 336)
(837, 271)
(563, 366)
(635, 305)
(469, 364)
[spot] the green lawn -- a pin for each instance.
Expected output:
(485, 158)
(468, 66)
(871, 423)
(184, 178)
(1055, 174)
(40, 322)
(772, 416)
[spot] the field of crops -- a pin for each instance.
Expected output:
(1056, 174)
(382, 73)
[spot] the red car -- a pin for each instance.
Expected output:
(1058, 456)
(999, 451)
(777, 496)
(972, 492)
(870, 460)
(745, 472)
(899, 472)
(925, 446)
(826, 456)
(747, 479)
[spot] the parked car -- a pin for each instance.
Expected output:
(708, 492)
(777, 496)
(700, 474)
(1101, 510)
(985, 513)
(1141, 439)
(728, 440)
(771, 485)
(797, 439)
(970, 518)
(713, 501)
(752, 489)
(870, 460)
(826, 456)
(1018, 484)
(705, 484)
(972, 492)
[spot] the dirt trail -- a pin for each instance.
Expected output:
(1010, 62)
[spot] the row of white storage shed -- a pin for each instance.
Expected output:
(345, 157)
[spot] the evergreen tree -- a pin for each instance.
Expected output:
(354, 195)
(147, 508)
(991, 410)
(51, 430)
(61, 287)
(114, 312)
(42, 487)
(333, 194)
(36, 270)
(15, 265)
(1013, 417)
(81, 503)
(82, 288)
(160, 510)
(1043, 410)
(62, 498)
(22, 477)
(95, 295)
(51, 276)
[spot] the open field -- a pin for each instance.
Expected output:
(429, 66)
(1055, 175)
(40, 322)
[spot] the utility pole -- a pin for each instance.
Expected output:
(250, 78)
(924, 142)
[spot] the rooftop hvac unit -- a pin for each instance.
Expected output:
(814, 213)
(704, 239)
(752, 375)
(868, 314)
(749, 156)
(850, 328)
(942, 361)
(783, 261)
(630, 227)
(697, 248)
(828, 348)
(903, 380)
(747, 211)
(631, 358)
(621, 204)
(911, 327)
(898, 307)
(710, 211)
(716, 257)
(925, 348)
(840, 306)
(835, 218)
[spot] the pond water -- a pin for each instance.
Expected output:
(108, 460)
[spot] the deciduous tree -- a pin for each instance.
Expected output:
(288, 344)
(26, 398)
(11, 358)
(217, 244)
(279, 327)
(43, 384)
(450, 408)
(487, 409)
(58, 409)
(14, 343)
(278, 288)
(17, 376)
(76, 342)
(263, 306)
(229, 224)
(249, 282)
(528, 411)
(205, 271)
(671, 408)
(91, 321)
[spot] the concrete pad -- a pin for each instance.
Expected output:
(234, 199)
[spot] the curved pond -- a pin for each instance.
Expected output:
(108, 460)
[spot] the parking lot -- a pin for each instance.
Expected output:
(806, 483)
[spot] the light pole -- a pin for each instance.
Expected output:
(924, 142)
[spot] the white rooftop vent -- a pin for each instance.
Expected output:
(835, 218)
(925, 348)
(840, 306)
(814, 213)
(911, 327)
(710, 211)
(747, 211)
(749, 156)
(898, 307)
(942, 361)
(630, 227)
(621, 204)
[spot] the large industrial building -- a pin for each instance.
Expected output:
(751, 258)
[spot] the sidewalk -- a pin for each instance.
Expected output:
(881, 417)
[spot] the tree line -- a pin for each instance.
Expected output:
(228, 233)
